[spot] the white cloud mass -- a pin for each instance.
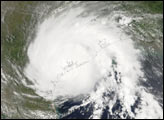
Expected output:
(71, 54)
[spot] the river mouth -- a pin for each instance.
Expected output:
(83, 60)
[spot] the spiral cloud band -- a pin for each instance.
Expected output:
(78, 52)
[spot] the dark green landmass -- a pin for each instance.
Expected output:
(153, 7)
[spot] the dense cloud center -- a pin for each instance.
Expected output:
(71, 54)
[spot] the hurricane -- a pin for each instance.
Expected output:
(83, 59)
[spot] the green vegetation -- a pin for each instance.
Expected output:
(153, 7)
(36, 104)
(3, 116)
(151, 32)
(14, 33)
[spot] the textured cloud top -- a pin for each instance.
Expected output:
(76, 52)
